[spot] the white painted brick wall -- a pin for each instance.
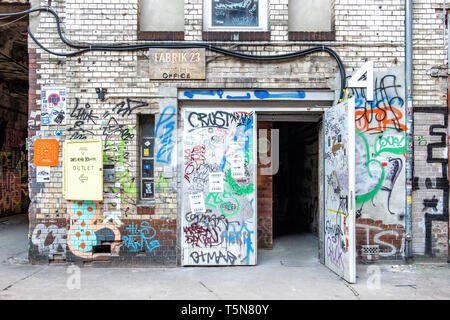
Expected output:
(365, 30)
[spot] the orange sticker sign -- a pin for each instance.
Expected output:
(46, 152)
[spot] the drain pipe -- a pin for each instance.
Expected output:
(409, 128)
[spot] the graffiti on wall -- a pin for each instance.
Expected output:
(118, 158)
(164, 134)
(218, 201)
(389, 238)
(140, 237)
(116, 137)
(245, 95)
(50, 238)
(434, 195)
(381, 148)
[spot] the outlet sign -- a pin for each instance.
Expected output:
(177, 64)
(83, 170)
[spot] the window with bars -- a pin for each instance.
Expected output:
(147, 143)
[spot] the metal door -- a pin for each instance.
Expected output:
(339, 189)
(218, 173)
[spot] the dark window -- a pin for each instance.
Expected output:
(235, 13)
(147, 142)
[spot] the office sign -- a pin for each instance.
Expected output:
(83, 170)
(177, 64)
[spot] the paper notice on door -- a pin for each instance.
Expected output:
(216, 182)
(237, 166)
(197, 202)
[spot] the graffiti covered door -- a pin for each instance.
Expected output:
(339, 189)
(218, 198)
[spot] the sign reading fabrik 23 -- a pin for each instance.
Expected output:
(83, 170)
(177, 64)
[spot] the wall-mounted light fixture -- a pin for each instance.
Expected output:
(101, 93)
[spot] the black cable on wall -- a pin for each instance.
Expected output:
(81, 48)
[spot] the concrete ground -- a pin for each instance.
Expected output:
(290, 271)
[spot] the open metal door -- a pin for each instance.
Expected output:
(218, 196)
(339, 189)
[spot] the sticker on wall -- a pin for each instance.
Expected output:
(45, 119)
(147, 189)
(53, 104)
(147, 146)
(147, 168)
(111, 201)
(46, 152)
(216, 182)
(112, 217)
(197, 202)
(109, 173)
(42, 174)
(168, 173)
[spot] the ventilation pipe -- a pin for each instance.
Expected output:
(409, 128)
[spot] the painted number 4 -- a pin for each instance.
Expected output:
(367, 83)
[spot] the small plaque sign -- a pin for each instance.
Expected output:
(177, 64)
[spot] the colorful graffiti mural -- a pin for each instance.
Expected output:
(381, 148)
(88, 229)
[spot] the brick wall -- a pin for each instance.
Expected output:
(33, 98)
(430, 186)
(264, 192)
(388, 237)
(363, 31)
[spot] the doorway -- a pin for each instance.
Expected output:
(289, 198)
(295, 185)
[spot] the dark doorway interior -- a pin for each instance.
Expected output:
(295, 186)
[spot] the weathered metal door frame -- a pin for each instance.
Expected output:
(211, 98)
